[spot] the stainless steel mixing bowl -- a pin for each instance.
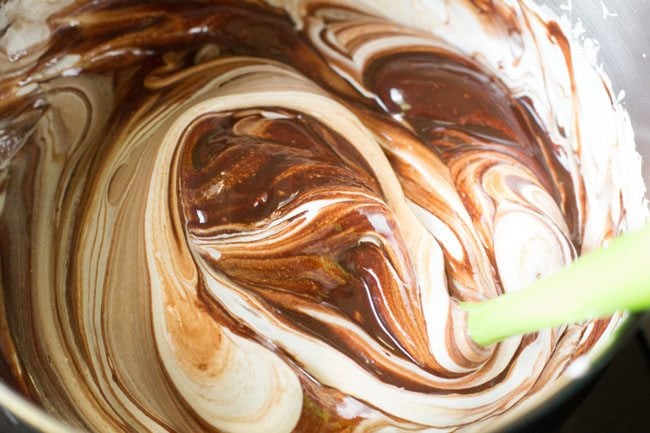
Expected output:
(624, 37)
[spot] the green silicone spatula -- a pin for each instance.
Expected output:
(596, 285)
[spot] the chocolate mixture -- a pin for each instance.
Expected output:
(227, 216)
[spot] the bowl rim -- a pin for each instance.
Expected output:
(554, 397)
(37, 418)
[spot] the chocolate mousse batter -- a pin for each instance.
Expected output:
(243, 216)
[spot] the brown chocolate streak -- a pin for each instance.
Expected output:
(243, 169)
(455, 107)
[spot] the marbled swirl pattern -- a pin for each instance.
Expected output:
(249, 217)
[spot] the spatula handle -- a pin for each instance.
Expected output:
(596, 285)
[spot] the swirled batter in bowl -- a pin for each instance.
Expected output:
(249, 217)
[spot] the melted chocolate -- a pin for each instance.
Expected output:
(455, 108)
(242, 171)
